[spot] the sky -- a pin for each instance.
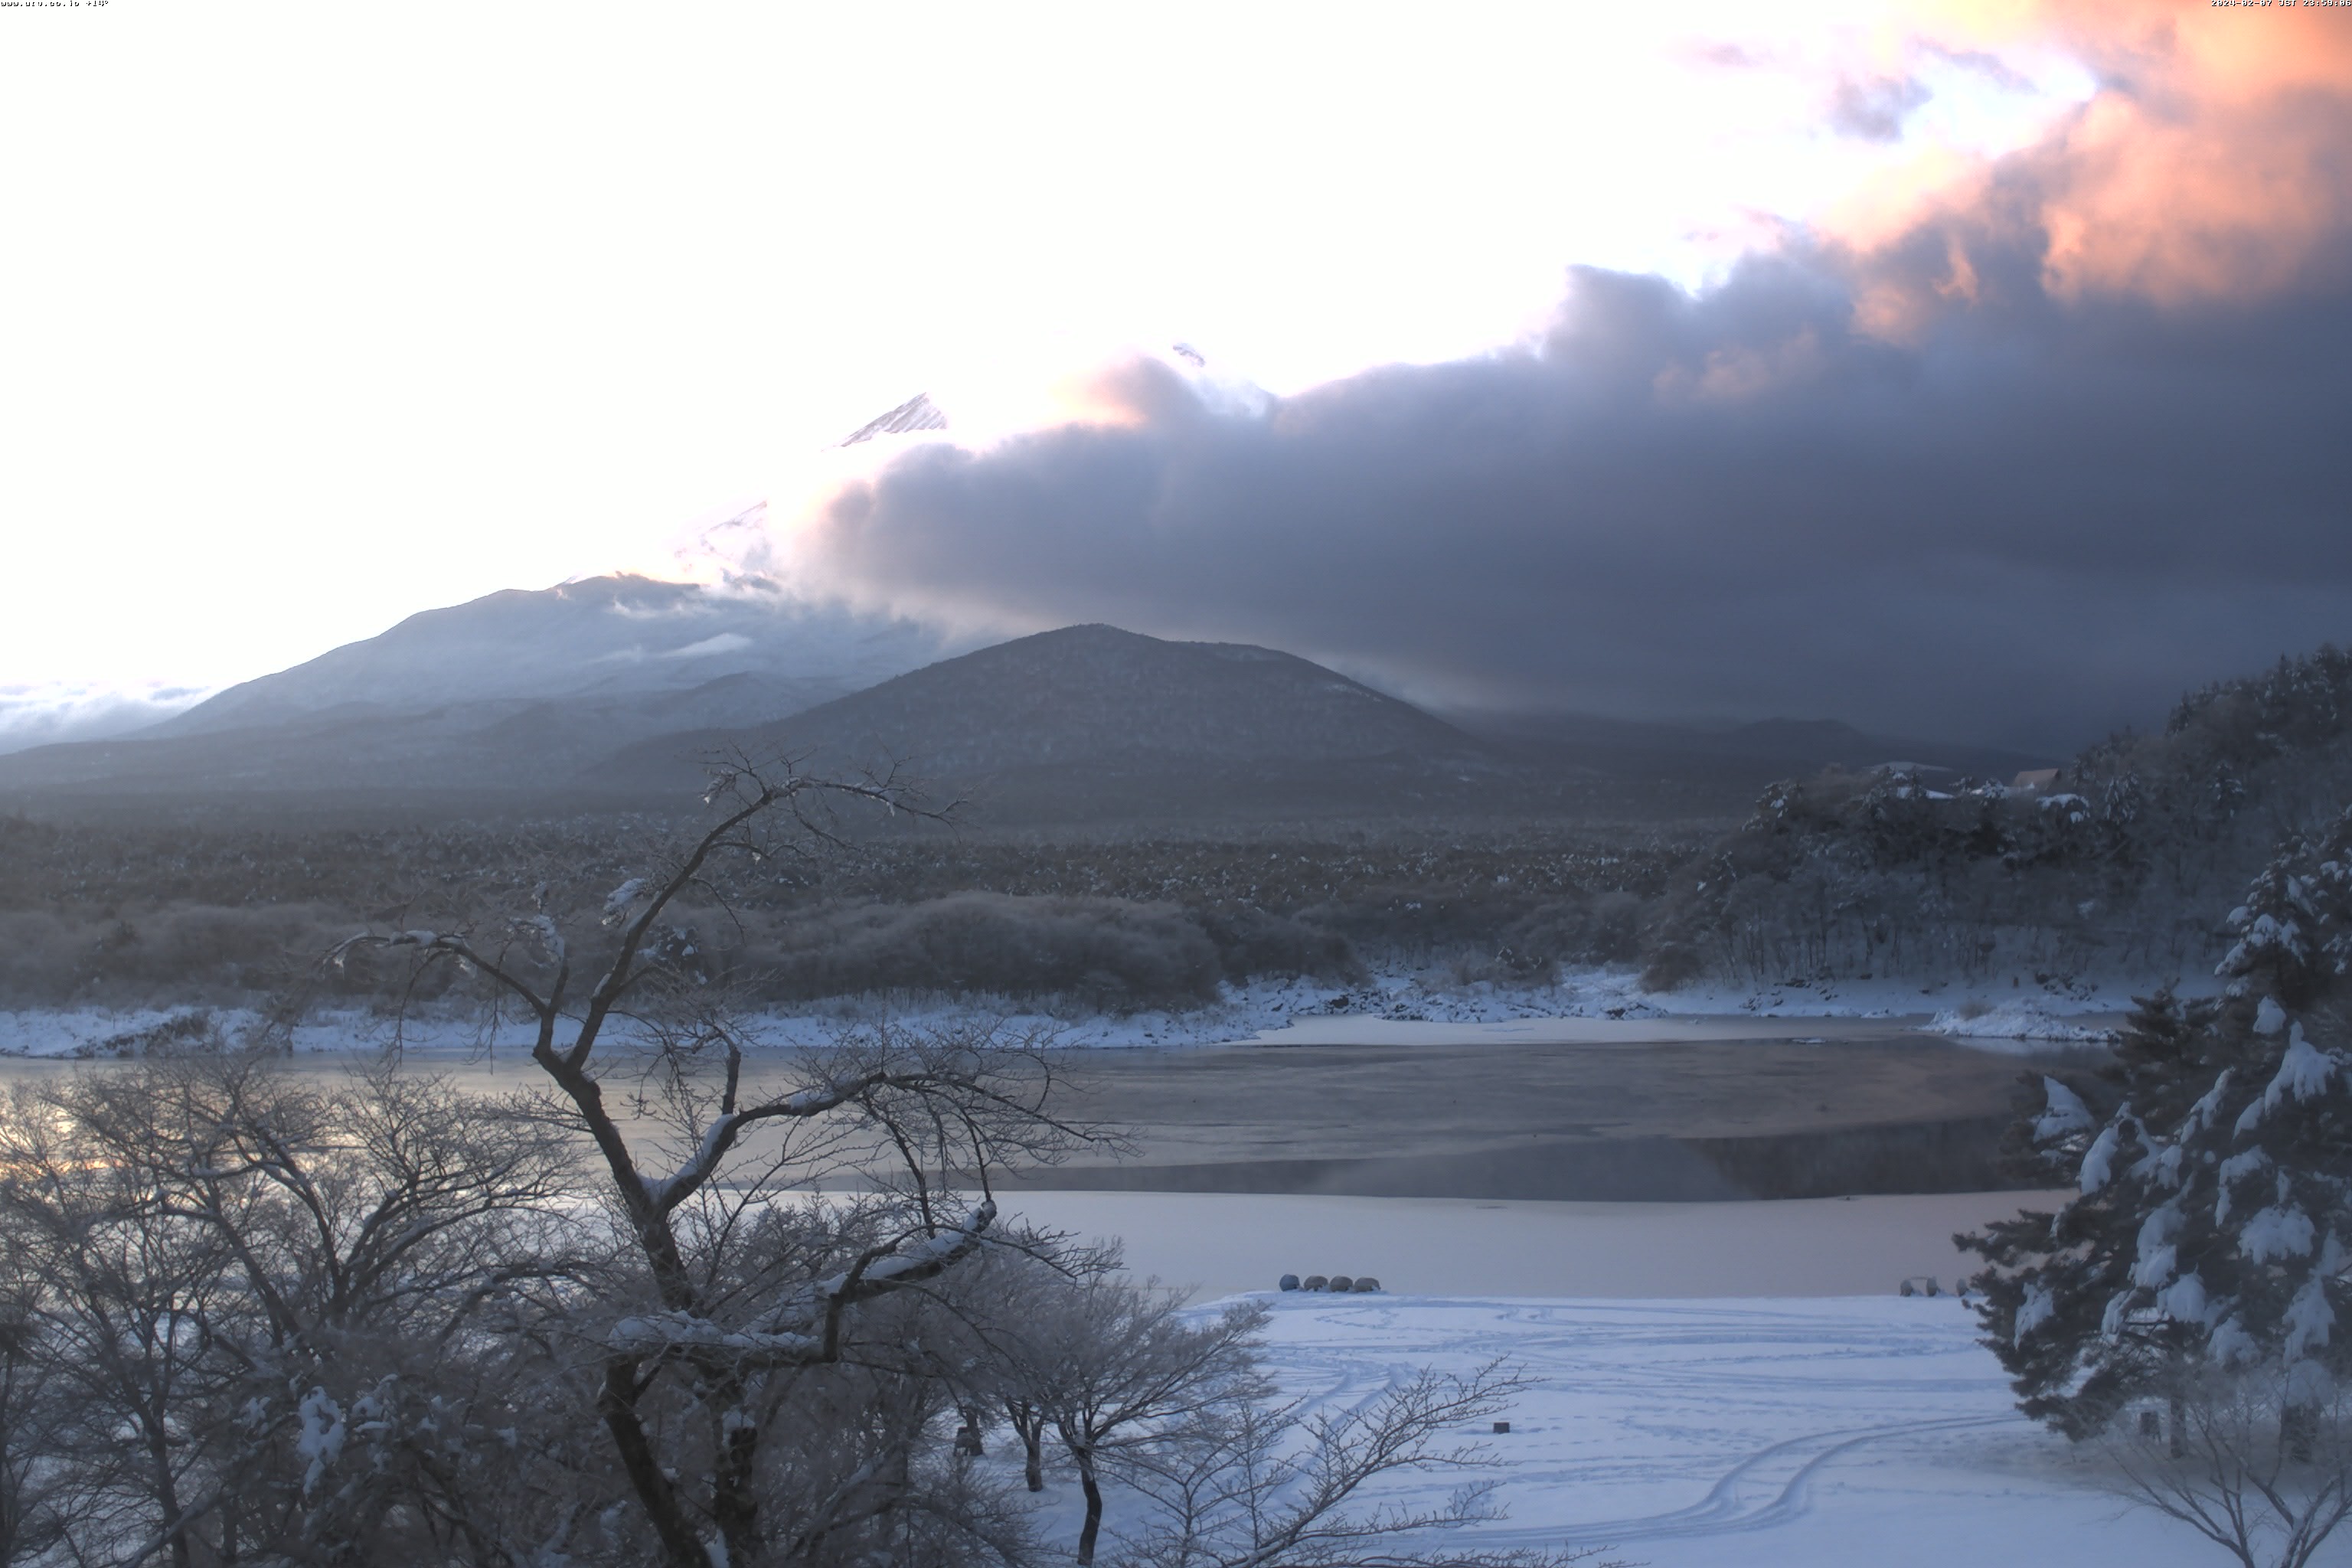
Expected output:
(1967, 368)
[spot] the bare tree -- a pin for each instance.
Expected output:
(1116, 1368)
(738, 1319)
(240, 1274)
(999, 1353)
(2258, 1463)
(32, 1414)
(1268, 1488)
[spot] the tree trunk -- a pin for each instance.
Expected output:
(1092, 1526)
(734, 1502)
(2177, 1428)
(654, 1493)
(167, 1496)
(1030, 1423)
(2298, 1423)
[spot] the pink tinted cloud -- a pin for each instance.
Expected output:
(2211, 164)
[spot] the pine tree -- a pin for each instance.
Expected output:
(2162, 1050)
(2215, 1205)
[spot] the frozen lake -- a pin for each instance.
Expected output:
(1222, 1243)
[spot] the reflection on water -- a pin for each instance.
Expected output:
(630, 1094)
(1221, 1242)
(1959, 1156)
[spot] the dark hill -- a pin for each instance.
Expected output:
(1092, 723)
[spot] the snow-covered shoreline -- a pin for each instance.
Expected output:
(1393, 1007)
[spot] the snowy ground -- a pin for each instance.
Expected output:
(1850, 1433)
(1396, 1006)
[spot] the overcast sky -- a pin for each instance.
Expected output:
(1973, 369)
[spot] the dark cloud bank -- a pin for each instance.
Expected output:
(2030, 521)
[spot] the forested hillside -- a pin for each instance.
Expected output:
(2116, 872)
(116, 915)
(2116, 868)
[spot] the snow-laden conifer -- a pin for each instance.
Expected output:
(2213, 1163)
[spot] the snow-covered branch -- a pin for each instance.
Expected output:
(803, 1329)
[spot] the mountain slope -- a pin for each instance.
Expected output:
(1092, 723)
(498, 746)
(514, 691)
(603, 636)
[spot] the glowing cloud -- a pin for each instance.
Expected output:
(2210, 163)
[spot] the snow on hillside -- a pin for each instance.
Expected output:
(600, 634)
(1868, 1432)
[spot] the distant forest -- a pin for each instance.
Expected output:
(2125, 867)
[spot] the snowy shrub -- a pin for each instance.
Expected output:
(191, 1031)
(1104, 952)
(161, 955)
(1603, 928)
(1502, 966)
(1672, 965)
(1250, 942)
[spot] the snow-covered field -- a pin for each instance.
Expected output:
(1397, 1008)
(1847, 1433)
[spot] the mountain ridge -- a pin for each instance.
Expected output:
(602, 692)
(610, 635)
(1085, 721)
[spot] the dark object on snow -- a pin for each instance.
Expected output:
(1919, 1285)
(2151, 1424)
(967, 1441)
(1289, 1282)
(1316, 1282)
(1341, 1284)
(1502, 1425)
(1366, 1284)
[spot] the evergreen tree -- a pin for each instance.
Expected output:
(2215, 1197)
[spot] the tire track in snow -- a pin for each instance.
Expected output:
(1767, 1488)
(1651, 1354)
